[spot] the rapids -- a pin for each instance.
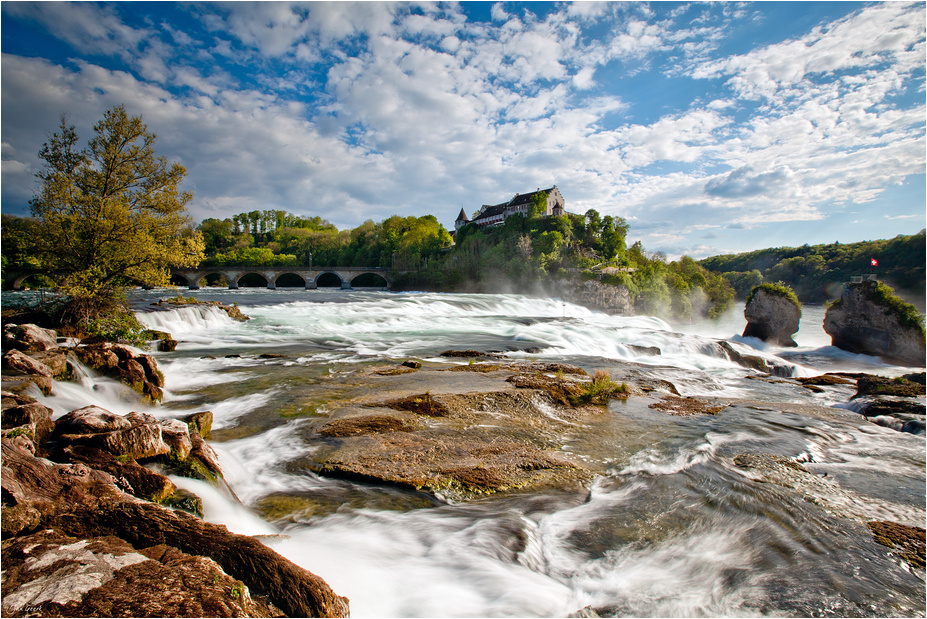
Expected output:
(672, 528)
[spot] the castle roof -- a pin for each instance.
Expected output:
(526, 197)
(462, 216)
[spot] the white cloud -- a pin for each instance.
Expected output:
(90, 28)
(405, 108)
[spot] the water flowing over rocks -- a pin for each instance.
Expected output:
(91, 526)
(772, 318)
(138, 370)
(866, 321)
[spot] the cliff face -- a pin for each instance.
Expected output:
(615, 300)
(772, 318)
(865, 321)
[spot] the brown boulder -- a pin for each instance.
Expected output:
(17, 362)
(29, 338)
(84, 503)
(23, 384)
(58, 361)
(138, 370)
(58, 575)
(130, 476)
(33, 417)
(177, 436)
(134, 436)
(199, 423)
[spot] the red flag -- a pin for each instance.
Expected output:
(874, 262)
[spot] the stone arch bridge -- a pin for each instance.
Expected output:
(309, 276)
(343, 277)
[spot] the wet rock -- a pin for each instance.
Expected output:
(687, 406)
(138, 370)
(85, 503)
(772, 316)
(423, 404)
(454, 445)
(177, 436)
(28, 338)
(58, 361)
(233, 312)
(199, 423)
(167, 345)
(30, 418)
(868, 319)
(357, 426)
(445, 465)
(748, 361)
(133, 436)
(16, 362)
(648, 351)
(59, 575)
(569, 390)
(825, 379)
(474, 354)
(186, 501)
(23, 384)
(882, 385)
(608, 298)
(130, 476)
(412, 364)
(907, 541)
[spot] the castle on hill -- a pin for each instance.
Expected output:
(496, 214)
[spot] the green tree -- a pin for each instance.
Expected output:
(111, 214)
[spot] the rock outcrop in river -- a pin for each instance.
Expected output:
(772, 314)
(869, 319)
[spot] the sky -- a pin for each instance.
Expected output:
(710, 128)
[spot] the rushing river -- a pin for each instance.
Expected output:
(672, 527)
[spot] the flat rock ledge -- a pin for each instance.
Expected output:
(487, 428)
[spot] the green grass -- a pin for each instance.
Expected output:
(777, 289)
(601, 389)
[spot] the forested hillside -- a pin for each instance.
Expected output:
(817, 272)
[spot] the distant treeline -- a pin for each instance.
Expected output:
(528, 251)
(817, 272)
(282, 239)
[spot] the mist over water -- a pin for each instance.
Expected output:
(672, 528)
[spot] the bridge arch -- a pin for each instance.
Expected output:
(369, 280)
(330, 279)
(288, 280)
(251, 279)
(37, 280)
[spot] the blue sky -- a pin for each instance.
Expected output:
(711, 128)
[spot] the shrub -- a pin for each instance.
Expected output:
(777, 289)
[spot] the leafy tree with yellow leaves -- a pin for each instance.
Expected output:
(110, 214)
